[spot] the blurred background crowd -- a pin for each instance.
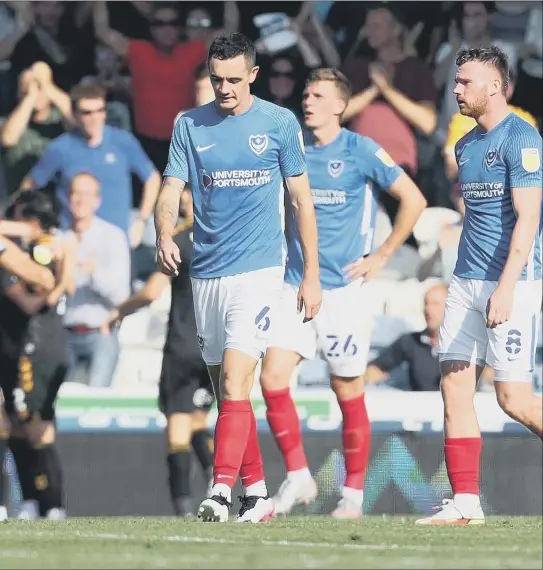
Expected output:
(89, 92)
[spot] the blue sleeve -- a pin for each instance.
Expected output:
(291, 150)
(377, 163)
(523, 159)
(140, 163)
(49, 164)
(178, 166)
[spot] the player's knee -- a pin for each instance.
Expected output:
(179, 431)
(513, 403)
(456, 391)
(198, 420)
(273, 377)
(347, 388)
(236, 386)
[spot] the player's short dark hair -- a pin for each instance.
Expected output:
(201, 71)
(335, 76)
(87, 91)
(231, 46)
(491, 55)
(35, 204)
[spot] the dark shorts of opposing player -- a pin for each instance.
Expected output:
(184, 386)
(30, 383)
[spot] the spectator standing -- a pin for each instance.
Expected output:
(47, 31)
(102, 282)
(112, 74)
(395, 95)
(162, 73)
(283, 83)
(43, 113)
(475, 31)
(108, 153)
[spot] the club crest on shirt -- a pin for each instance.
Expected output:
(335, 168)
(205, 180)
(531, 162)
(491, 157)
(258, 143)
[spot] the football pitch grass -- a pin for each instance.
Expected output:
(304, 542)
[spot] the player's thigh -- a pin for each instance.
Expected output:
(289, 332)
(512, 345)
(210, 313)
(462, 334)
(253, 300)
(344, 329)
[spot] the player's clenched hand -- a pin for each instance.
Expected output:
(309, 298)
(168, 255)
(366, 267)
(500, 303)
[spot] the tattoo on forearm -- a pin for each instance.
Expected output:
(167, 208)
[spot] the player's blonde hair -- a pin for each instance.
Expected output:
(332, 74)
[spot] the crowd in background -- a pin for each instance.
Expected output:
(89, 92)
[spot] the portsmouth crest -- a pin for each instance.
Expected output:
(258, 143)
(335, 168)
(490, 158)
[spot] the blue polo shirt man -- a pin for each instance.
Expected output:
(110, 154)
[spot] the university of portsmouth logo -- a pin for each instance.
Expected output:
(205, 180)
(491, 157)
(335, 168)
(258, 143)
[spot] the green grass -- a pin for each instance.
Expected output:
(305, 542)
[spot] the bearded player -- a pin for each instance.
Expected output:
(494, 301)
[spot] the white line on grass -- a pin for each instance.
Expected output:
(118, 537)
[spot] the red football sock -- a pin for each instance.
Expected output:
(231, 434)
(356, 440)
(462, 456)
(285, 425)
(252, 467)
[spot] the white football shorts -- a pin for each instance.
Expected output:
(236, 312)
(510, 347)
(341, 330)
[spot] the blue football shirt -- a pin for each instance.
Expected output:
(489, 166)
(112, 162)
(346, 177)
(235, 166)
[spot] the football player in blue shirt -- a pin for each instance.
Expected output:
(346, 172)
(494, 301)
(236, 152)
